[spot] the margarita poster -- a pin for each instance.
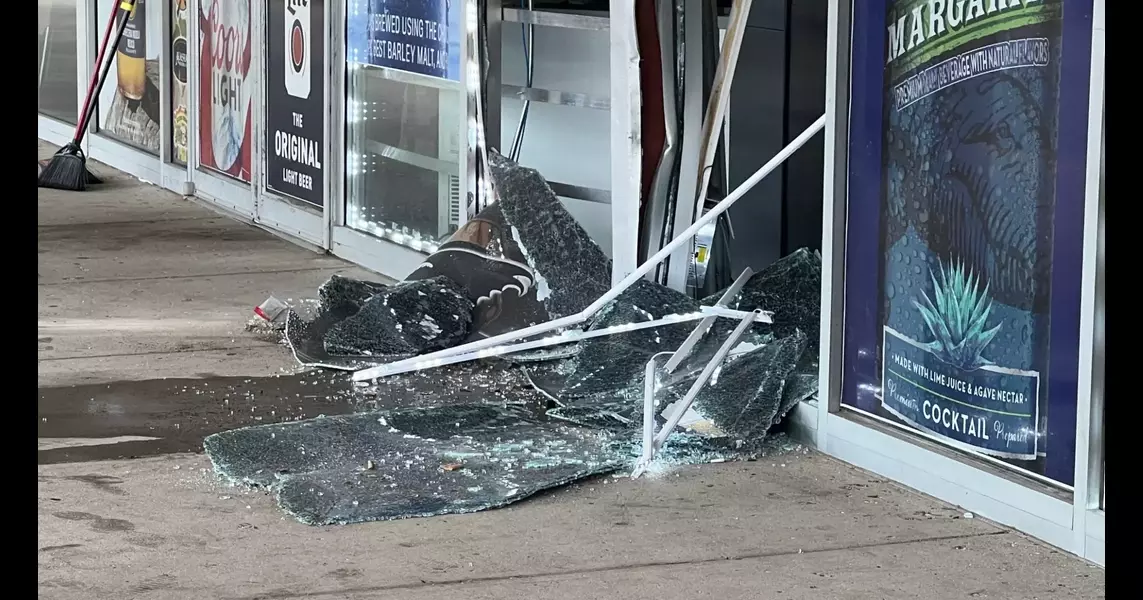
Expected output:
(969, 197)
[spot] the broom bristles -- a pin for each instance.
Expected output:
(67, 170)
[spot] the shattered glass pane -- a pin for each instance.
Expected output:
(790, 288)
(409, 462)
(340, 298)
(613, 365)
(472, 436)
(492, 382)
(410, 318)
(747, 394)
(571, 270)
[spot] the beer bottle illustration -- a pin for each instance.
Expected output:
(132, 54)
(179, 63)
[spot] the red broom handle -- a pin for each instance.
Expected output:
(82, 125)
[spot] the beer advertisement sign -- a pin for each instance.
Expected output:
(129, 103)
(180, 65)
(418, 36)
(224, 86)
(966, 116)
(295, 99)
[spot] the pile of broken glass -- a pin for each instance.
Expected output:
(474, 436)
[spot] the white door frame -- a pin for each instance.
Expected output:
(230, 194)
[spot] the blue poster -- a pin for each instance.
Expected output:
(962, 191)
(418, 36)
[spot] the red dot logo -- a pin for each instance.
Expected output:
(297, 47)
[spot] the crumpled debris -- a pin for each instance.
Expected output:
(571, 269)
(478, 435)
(410, 318)
(488, 263)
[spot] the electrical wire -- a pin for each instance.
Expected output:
(528, 37)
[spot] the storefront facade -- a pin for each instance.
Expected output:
(963, 204)
(326, 121)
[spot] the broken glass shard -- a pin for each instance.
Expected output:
(410, 462)
(571, 269)
(410, 318)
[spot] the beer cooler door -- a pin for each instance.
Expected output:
(222, 52)
(291, 101)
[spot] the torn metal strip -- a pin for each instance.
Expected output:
(427, 360)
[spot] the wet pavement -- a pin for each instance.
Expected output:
(178, 413)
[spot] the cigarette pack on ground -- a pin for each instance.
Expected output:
(272, 310)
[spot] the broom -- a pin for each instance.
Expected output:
(67, 168)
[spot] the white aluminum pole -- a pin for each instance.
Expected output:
(685, 349)
(611, 295)
(568, 337)
(834, 202)
(1090, 388)
(649, 389)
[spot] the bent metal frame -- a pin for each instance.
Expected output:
(501, 345)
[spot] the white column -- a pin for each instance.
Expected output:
(626, 141)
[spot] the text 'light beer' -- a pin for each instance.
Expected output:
(131, 64)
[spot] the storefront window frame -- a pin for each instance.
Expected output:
(1089, 507)
(45, 52)
(293, 216)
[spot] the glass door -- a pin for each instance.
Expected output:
(221, 84)
(292, 117)
(407, 121)
(129, 121)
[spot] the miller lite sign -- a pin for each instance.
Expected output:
(298, 48)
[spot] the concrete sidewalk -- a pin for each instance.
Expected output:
(138, 284)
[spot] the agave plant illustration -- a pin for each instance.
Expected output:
(957, 316)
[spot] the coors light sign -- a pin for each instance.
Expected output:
(224, 129)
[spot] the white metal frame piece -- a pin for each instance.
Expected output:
(494, 346)
(653, 442)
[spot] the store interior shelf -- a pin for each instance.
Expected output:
(564, 20)
(575, 99)
(412, 158)
(579, 192)
(409, 77)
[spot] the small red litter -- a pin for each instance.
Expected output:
(272, 310)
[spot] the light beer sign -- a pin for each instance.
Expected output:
(226, 46)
